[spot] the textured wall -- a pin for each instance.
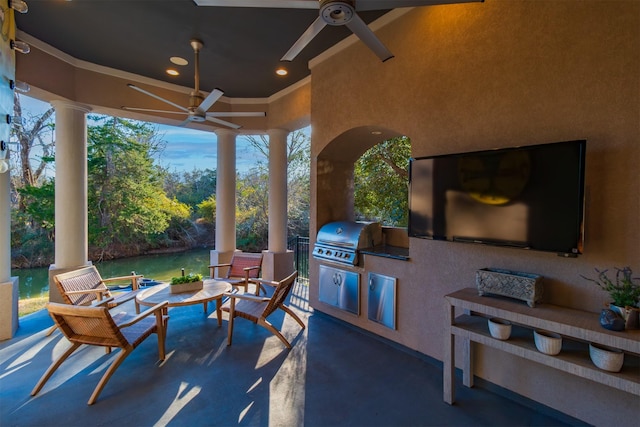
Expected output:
(479, 76)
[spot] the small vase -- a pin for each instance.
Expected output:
(631, 315)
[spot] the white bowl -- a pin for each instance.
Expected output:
(606, 358)
(547, 342)
(499, 328)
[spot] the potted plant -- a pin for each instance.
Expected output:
(624, 290)
(186, 283)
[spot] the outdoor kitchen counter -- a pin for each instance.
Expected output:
(387, 251)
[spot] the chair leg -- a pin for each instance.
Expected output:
(292, 314)
(55, 365)
(107, 375)
(161, 330)
(232, 315)
(264, 323)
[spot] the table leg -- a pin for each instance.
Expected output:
(206, 307)
(219, 310)
(448, 357)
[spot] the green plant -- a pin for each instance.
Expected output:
(625, 291)
(191, 277)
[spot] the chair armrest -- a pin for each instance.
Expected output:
(247, 297)
(144, 314)
(265, 282)
(133, 278)
(103, 302)
(220, 265)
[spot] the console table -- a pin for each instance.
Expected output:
(578, 328)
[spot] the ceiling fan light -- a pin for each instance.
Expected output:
(19, 6)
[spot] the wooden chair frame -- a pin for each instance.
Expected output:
(244, 267)
(256, 309)
(95, 326)
(85, 286)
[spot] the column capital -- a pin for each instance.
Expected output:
(226, 132)
(61, 103)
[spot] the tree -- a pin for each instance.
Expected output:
(381, 183)
(298, 183)
(127, 204)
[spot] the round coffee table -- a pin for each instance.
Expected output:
(211, 290)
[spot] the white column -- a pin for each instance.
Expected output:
(278, 190)
(72, 230)
(5, 217)
(277, 262)
(9, 286)
(71, 242)
(226, 192)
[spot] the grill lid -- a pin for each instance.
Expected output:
(339, 241)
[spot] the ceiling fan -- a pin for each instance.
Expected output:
(198, 105)
(334, 12)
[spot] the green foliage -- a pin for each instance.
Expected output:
(191, 277)
(207, 210)
(625, 291)
(191, 188)
(381, 183)
(127, 203)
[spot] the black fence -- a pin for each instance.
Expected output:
(300, 247)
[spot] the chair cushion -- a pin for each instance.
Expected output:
(250, 310)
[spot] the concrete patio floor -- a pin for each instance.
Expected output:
(335, 375)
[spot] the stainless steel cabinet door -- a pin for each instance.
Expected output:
(382, 299)
(340, 288)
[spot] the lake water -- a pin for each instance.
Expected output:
(34, 281)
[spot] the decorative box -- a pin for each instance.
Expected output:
(514, 284)
(185, 287)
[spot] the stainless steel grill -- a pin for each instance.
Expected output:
(340, 241)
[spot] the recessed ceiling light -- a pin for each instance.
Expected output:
(172, 72)
(178, 61)
(282, 72)
(376, 132)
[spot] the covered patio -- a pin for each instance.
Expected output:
(328, 379)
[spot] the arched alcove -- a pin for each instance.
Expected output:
(335, 170)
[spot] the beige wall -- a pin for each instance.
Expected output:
(479, 76)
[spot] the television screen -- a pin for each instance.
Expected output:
(528, 197)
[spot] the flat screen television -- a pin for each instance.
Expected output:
(529, 197)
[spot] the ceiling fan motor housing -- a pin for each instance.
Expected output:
(337, 12)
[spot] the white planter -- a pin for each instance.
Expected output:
(547, 342)
(500, 329)
(605, 358)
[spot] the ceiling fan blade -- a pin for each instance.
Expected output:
(210, 100)
(286, 4)
(222, 122)
(236, 114)
(151, 110)
(368, 37)
(304, 39)
(363, 5)
(179, 107)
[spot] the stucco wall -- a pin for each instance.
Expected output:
(496, 74)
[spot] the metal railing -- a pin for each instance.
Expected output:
(300, 247)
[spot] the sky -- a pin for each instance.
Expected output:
(186, 149)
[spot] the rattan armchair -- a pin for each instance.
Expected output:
(96, 326)
(256, 309)
(243, 267)
(85, 286)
